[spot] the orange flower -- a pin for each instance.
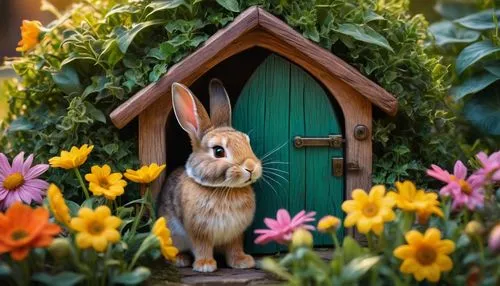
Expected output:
(30, 34)
(23, 228)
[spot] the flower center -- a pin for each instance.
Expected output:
(103, 182)
(95, 228)
(13, 181)
(464, 186)
(370, 209)
(426, 255)
(19, 234)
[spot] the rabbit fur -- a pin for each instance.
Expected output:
(210, 202)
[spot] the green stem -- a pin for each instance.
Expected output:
(138, 217)
(370, 240)
(481, 248)
(144, 246)
(82, 184)
(152, 209)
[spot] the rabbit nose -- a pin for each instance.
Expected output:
(249, 171)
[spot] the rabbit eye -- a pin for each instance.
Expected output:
(219, 152)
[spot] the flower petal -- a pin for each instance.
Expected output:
(460, 171)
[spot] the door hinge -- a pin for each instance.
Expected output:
(338, 166)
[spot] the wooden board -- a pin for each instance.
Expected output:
(294, 178)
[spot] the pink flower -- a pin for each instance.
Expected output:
(281, 229)
(19, 182)
(490, 170)
(494, 239)
(463, 191)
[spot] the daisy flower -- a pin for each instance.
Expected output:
(490, 170)
(464, 191)
(281, 229)
(20, 182)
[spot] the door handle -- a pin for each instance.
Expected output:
(332, 141)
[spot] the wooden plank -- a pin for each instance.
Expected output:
(188, 70)
(222, 45)
(276, 134)
(297, 128)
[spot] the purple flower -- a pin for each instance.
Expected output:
(490, 170)
(464, 191)
(19, 182)
(281, 229)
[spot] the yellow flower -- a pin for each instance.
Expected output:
(102, 182)
(425, 256)
(72, 159)
(409, 199)
(146, 174)
(369, 211)
(328, 224)
(96, 228)
(58, 205)
(30, 34)
(302, 237)
(162, 233)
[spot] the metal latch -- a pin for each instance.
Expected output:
(338, 166)
(332, 141)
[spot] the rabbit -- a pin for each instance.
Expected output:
(210, 201)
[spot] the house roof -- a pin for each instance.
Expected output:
(226, 42)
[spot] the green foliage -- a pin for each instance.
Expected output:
(469, 41)
(103, 51)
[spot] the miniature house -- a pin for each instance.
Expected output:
(307, 112)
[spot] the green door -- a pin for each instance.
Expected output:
(281, 101)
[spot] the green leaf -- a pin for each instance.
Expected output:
(111, 53)
(137, 276)
(369, 16)
(126, 38)
(358, 267)
(312, 33)
(20, 124)
(65, 278)
(445, 32)
(473, 84)
(74, 208)
(67, 80)
(5, 269)
(164, 5)
(364, 34)
(95, 113)
(351, 249)
(483, 111)
(157, 72)
(454, 10)
(473, 53)
(231, 5)
(479, 21)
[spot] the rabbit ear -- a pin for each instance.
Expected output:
(189, 111)
(220, 106)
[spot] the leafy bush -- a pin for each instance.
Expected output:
(103, 51)
(468, 39)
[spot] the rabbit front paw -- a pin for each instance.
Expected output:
(241, 261)
(183, 260)
(205, 265)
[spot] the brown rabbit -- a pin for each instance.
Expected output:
(210, 202)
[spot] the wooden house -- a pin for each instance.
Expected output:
(291, 96)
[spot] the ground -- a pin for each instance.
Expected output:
(224, 276)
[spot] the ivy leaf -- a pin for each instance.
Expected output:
(126, 38)
(483, 111)
(473, 85)
(479, 21)
(135, 277)
(364, 34)
(67, 80)
(157, 72)
(231, 5)
(164, 5)
(95, 113)
(445, 32)
(473, 53)
(65, 278)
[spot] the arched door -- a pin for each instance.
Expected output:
(279, 102)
